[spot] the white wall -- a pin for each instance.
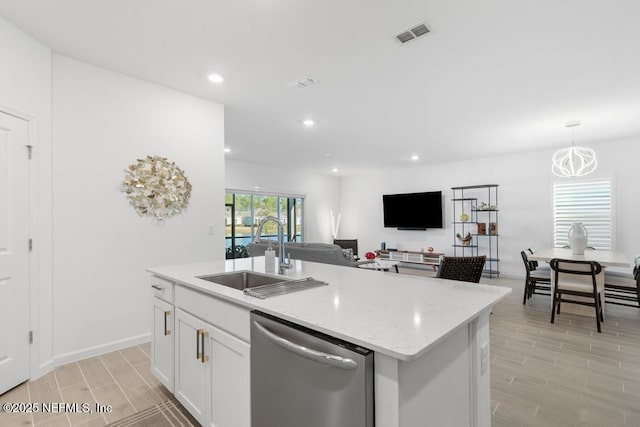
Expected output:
(525, 200)
(102, 122)
(323, 192)
(25, 91)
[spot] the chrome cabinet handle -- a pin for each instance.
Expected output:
(166, 314)
(317, 356)
(160, 288)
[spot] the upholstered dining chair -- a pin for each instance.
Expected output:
(466, 269)
(536, 266)
(541, 270)
(569, 279)
(534, 281)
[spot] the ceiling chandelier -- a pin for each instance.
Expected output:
(574, 161)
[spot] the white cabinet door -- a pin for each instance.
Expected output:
(162, 342)
(229, 390)
(211, 369)
(192, 349)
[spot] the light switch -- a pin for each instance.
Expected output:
(211, 230)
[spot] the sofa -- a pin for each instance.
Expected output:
(326, 253)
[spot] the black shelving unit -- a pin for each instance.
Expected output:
(465, 201)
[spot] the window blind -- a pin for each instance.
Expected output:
(588, 202)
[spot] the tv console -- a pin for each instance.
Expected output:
(412, 257)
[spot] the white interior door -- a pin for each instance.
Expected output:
(14, 252)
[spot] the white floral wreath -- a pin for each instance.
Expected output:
(156, 187)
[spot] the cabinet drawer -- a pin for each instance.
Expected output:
(162, 288)
(229, 317)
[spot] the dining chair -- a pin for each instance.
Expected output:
(535, 266)
(620, 289)
(465, 269)
(534, 280)
(567, 275)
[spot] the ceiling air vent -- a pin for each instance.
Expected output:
(405, 37)
(302, 83)
(413, 33)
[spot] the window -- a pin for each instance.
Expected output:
(588, 202)
(244, 211)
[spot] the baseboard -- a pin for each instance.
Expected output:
(46, 366)
(42, 369)
(100, 349)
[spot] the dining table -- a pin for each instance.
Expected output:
(605, 258)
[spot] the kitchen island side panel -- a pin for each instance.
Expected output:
(445, 386)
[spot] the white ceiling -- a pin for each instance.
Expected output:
(494, 76)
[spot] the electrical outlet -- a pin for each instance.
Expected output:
(484, 358)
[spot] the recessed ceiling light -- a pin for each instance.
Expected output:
(334, 170)
(215, 78)
(227, 149)
(308, 122)
(415, 157)
(257, 187)
(327, 154)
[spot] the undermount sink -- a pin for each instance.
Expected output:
(242, 279)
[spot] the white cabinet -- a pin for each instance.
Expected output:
(200, 352)
(162, 342)
(192, 351)
(229, 387)
(211, 373)
(162, 288)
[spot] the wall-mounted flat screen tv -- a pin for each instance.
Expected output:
(413, 211)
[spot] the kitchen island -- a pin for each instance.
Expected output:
(430, 338)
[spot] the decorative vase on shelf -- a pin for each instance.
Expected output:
(466, 240)
(578, 237)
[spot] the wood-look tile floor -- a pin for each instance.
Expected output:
(565, 374)
(121, 379)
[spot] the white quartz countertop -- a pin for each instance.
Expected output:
(400, 315)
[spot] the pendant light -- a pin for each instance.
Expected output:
(574, 161)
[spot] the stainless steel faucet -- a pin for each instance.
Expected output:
(284, 263)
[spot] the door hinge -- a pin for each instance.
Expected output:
(30, 151)
(30, 245)
(30, 337)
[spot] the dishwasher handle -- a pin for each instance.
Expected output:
(317, 356)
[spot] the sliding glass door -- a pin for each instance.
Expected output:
(246, 210)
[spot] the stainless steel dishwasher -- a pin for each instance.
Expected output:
(301, 377)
